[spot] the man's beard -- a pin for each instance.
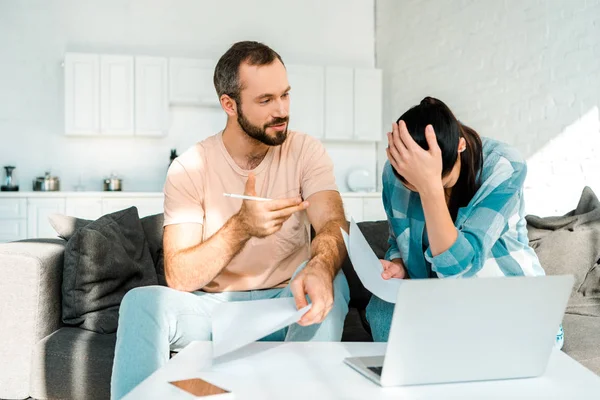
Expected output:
(260, 133)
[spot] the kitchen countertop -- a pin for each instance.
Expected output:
(83, 194)
(22, 194)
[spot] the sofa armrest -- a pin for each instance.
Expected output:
(30, 306)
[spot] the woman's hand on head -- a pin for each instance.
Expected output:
(417, 166)
(393, 269)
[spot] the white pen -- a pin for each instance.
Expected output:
(244, 197)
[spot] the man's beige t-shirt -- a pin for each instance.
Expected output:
(194, 191)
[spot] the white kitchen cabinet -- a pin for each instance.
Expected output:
(82, 94)
(13, 208)
(13, 219)
(151, 96)
(339, 103)
(191, 82)
(85, 208)
(373, 209)
(307, 99)
(13, 229)
(38, 211)
(113, 96)
(353, 207)
(367, 104)
(127, 95)
(116, 95)
(145, 205)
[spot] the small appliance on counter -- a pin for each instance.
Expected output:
(46, 183)
(173, 156)
(360, 180)
(10, 184)
(113, 183)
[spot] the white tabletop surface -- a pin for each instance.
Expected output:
(316, 371)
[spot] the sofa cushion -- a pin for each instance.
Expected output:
(356, 328)
(376, 233)
(570, 244)
(74, 364)
(582, 340)
(31, 272)
(103, 261)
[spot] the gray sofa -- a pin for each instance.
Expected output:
(44, 359)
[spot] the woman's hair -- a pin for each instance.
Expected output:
(448, 131)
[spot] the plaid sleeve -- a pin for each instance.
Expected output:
(393, 251)
(487, 220)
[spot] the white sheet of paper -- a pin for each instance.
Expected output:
(368, 267)
(236, 324)
(346, 241)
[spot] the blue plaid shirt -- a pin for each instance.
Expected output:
(492, 233)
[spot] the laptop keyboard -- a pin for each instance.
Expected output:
(377, 370)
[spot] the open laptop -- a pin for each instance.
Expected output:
(459, 330)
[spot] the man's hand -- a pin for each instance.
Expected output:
(263, 218)
(393, 269)
(315, 282)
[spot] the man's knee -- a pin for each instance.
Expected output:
(148, 299)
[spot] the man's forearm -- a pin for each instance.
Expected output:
(328, 248)
(185, 272)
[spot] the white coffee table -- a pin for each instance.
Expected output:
(316, 371)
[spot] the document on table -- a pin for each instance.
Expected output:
(368, 267)
(236, 324)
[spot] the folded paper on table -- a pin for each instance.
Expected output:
(236, 324)
(367, 265)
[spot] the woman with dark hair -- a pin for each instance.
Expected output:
(454, 203)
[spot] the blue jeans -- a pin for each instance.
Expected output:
(155, 319)
(379, 316)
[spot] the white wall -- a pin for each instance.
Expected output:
(34, 35)
(525, 72)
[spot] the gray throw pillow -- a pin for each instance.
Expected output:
(570, 244)
(153, 228)
(66, 226)
(103, 261)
